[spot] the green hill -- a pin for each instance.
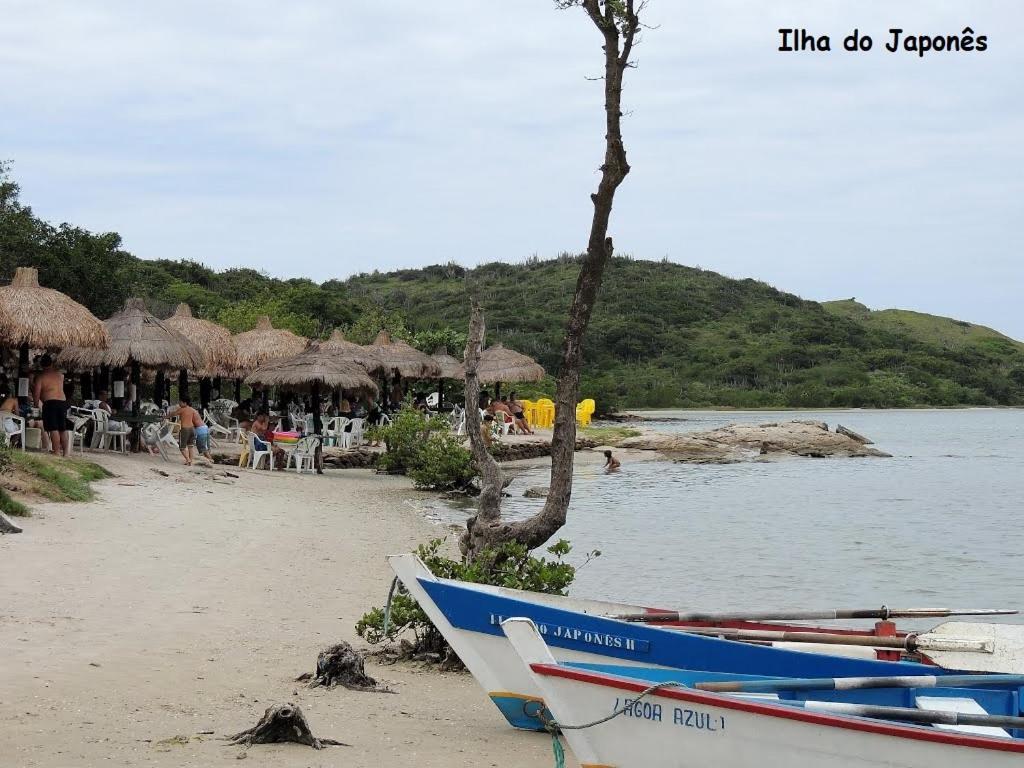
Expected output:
(663, 334)
(934, 329)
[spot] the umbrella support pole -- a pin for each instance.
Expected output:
(23, 372)
(159, 387)
(136, 392)
(182, 384)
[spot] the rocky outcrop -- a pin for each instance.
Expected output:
(537, 492)
(841, 430)
(744, 442)
(534, 449)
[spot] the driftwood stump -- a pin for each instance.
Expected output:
(280, 723)
(341, 665)
(6, 526)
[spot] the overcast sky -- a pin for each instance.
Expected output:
(320, 138)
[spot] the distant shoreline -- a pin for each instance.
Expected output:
(646, 414)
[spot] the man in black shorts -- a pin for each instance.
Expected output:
(48, 394)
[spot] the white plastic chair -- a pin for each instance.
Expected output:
(255, 457)
(335, 432)
(457, 418)
(112, 435)
(165, 439)
(218, 430)
(304, 454)
(10, 420)
(115, 434)
(354, 436)
(79, 429)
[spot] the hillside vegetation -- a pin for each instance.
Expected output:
(662, 335)
(934, 329)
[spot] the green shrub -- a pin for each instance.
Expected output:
(12, 507)
(424, 448)
(442, 464)
(510, 565)
(5, 456)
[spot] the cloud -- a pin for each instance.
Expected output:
(320, 138)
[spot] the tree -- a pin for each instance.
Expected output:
(618, 22)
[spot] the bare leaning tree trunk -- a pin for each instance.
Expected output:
(618, 23)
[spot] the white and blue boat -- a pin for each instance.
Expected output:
(469, 617)
(616, 716)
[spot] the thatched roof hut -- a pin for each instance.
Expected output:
(214, 341)
(139, 337)
(451, 367)
(44, 318)
(316, 365)
(265, 343)
(348, 350)
(499, 363)
(398, 357)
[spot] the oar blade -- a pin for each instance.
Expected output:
(1006, 641)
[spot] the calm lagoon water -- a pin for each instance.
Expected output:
(939, 524)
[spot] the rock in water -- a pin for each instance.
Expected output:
(537, 492)
(341, 665)
(841, 430)
(738, 442)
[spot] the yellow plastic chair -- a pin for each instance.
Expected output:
(530, 412)
(585, 412)
(545, 413)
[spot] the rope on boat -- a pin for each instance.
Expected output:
(554, 727)
(387, 608)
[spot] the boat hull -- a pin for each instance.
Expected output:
(469, 617)
(691, 729)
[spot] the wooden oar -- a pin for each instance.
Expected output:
(954, 645)
(922, 642)
(858, 683)
(827, 615)
(927, 716)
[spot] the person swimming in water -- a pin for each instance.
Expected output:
(611, 464)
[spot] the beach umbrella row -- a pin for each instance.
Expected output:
(35, 317)
(138, 340)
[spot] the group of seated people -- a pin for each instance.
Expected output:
(509, 405)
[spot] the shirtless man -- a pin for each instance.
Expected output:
(189, 419)
(48, 393)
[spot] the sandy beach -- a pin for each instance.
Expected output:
(142, 627)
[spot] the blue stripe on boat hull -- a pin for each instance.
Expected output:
(478, 611)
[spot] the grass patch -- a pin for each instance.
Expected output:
(60, 479)
(609, 435)
(12, 507)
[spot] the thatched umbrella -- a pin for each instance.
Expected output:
(215, 344)
(265, 343)
(137, 340)
(390, 356)
(317, 366)
(42, 318)
(451, 368)
(348, 350)
(399, 360)
(498, 363)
